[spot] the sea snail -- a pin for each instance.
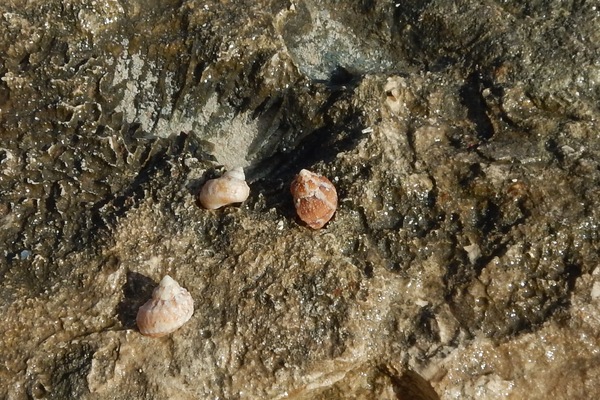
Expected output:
(228, 189)
(315, 198)
(170, 307)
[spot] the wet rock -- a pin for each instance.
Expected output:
(461, 138)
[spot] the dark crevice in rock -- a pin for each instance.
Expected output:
(477, 111)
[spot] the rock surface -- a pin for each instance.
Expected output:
(462, 137)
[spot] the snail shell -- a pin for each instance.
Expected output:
(228, 189)
(170, 307)
(315, 198)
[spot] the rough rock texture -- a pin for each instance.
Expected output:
(462, 136)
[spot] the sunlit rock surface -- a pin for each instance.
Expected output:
(462, 138)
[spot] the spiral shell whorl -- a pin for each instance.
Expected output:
(228, 189)
(170, 307)
(315, 198)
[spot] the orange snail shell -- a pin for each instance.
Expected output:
(315, 198)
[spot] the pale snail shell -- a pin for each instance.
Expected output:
(228, 189)
(170, 307)
(315, 198)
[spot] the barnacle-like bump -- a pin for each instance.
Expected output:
(170, 307)
(315, 198)
(228, 189)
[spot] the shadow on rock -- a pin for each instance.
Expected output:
(136, 291)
